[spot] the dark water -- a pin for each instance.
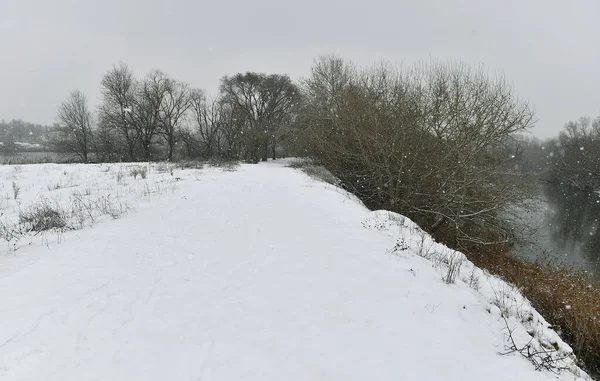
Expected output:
(568, 228)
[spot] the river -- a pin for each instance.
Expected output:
(567, 224)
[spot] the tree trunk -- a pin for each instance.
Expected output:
(131, 152)
(146, 152)
(170, 149)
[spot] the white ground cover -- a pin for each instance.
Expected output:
(258, 274)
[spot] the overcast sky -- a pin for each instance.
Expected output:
(548, 49)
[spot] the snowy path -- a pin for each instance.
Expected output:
(260, 274)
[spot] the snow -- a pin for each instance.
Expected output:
(258, 274)
(24, 145)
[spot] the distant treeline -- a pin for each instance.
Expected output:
(441, 143)
(571, 159)
(18, 136)
(157, 117)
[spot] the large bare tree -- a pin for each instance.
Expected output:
(212, 122)
(118, 88)
(177, 100)
(146, 110)
(265, 102)
(75, 125)
(324, 89)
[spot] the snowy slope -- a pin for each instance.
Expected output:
(259, 274)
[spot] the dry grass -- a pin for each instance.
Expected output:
(226, 165)
(42, 217)
(139, 170)
(568, 299)
(315, 171)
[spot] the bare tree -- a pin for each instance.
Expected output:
(265, 102)
(325, 95)
(472, 117)
(149, 97)
(107, 144)
(330, 79)
(190, 143)
(576, 159)
(75, 125)
(176, 102)
(118, 89)
(210, 117)
(431, 142)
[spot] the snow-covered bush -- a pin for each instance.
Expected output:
(42, 216)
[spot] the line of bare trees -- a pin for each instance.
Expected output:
(160, 118)
(434, 142)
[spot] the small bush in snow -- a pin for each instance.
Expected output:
(424, 250)
(401, 245)
(16, 189)
(505, 298)
(473, 280)
(190, 164)
(224, 164)
(142, 171)
(11, 233)
(119, 176)
(299, 163)
(543, 357)
(42, 217)
(318, 172)
(455, 262)
(52, 187)
(84, 210)
(165, 167)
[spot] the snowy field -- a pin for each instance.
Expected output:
(257, 274)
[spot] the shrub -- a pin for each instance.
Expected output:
(224, 164)
(85, 209)
(190, 164)
(42, 217)
(137, 170)
(16, 189)
(119, 176)
(166, 167)
(315, 171)
(454, 262)
(432, 143)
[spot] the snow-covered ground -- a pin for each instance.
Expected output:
(258, 274)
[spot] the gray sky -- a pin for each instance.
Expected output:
(549, 49)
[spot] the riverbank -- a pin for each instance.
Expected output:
(569, 299)
(564, 227)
